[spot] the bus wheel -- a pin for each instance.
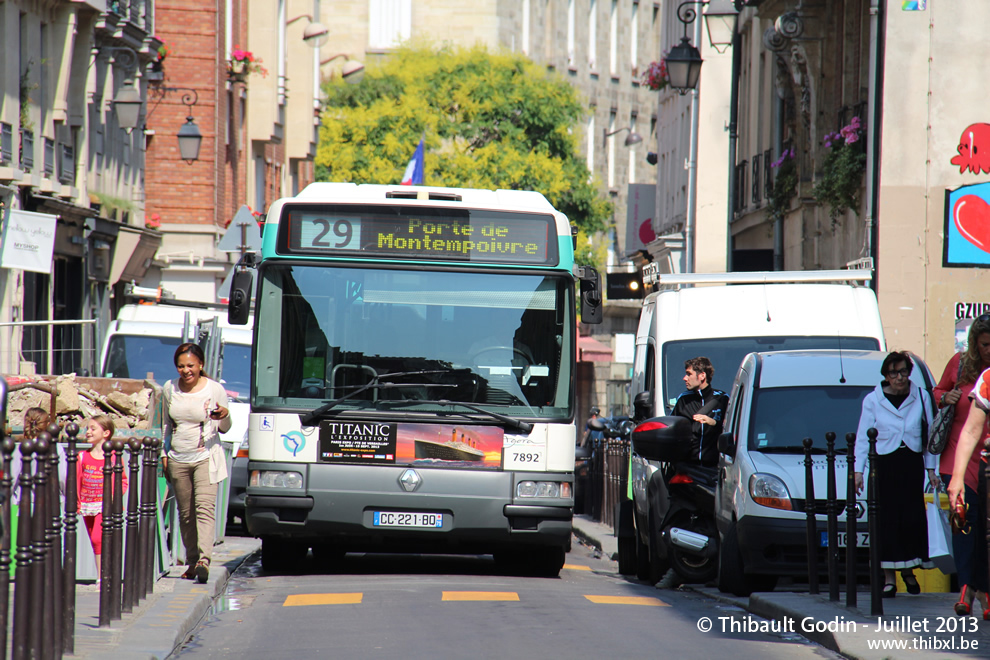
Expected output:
(279, 555)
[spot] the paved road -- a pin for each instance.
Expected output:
(387, 606)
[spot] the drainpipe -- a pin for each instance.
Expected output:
(733, 139)
(873, 123)
(778, 150)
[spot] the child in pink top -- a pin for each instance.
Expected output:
(99, 429)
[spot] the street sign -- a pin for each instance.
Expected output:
(242, 231)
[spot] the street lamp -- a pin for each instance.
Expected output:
(127, 106)
(684, 60)
(352, 71)
(631, 139)
(316, 34)
(189, 136)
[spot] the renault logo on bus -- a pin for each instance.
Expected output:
(410, 480)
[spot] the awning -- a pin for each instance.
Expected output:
(592, 350)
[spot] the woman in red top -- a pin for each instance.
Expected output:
(954, 389)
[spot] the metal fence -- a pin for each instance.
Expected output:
(608, 476)
(49, 347)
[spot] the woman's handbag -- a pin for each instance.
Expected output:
(938, 435)
(939, 538)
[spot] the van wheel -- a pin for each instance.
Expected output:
(731, 578)
(695, 568)
(626, 532)
(642, 559)
(657, 567)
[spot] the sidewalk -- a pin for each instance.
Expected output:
(908, 621)
(162, 621)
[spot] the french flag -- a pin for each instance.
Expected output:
(414, 170)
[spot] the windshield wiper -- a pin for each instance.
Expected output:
(307, 419)
(511, 422)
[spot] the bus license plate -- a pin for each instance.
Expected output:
(862, 539)
(405, 519)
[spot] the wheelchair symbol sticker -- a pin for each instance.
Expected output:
(267, 423)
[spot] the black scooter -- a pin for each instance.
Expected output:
(681, 501)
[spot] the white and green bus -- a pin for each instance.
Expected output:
(413, 374)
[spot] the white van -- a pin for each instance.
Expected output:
(724, 317)
(778, 399)
(143, 338)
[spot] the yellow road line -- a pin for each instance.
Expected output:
(479, 595)
(322, 599)
(577, 567)
(628, 600)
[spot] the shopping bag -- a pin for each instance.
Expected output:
(940, 539)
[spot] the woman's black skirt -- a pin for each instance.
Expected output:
(903, 524)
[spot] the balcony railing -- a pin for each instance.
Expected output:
(49, 157)
(741, 186)
(767, 173)
(67, 164)
(6, 144)
(27, 150)
(757, 171)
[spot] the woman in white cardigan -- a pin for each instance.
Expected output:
(196, 412)
(901, 414)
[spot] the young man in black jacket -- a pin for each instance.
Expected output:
(706, 406)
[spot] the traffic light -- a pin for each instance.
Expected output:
(624, 286)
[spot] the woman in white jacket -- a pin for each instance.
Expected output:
(901, 414)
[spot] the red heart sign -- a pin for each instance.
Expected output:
(972, 217)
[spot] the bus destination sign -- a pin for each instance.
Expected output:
(481, 237)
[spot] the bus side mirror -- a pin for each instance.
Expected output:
(591, 294)
(239, 304)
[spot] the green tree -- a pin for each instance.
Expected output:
(489, 120)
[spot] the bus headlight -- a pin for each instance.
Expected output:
(276, 479)
(551, 489)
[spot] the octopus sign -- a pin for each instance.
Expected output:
(974, 149)
(967, 226)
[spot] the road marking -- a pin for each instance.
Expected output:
(479, 595)
(322, 599)
(577, 567)
(627, 600)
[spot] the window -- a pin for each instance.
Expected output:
(592, 35)
(634, 39)
(389, 23)
(590, 134)
(613, 39)
(526, 9)
(570, 32)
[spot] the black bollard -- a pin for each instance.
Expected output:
(71, 520)
(852, 529)
(144, 522)
(811, 509)
(39, 519)
(832, 509)
(7, 447)
(117, 528)
(56, 608)
(155, 448)
(107, 534)
(131, 546)
(876, 574)
(20, 647)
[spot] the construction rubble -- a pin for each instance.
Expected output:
(128, 402)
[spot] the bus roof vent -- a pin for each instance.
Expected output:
(422, 194)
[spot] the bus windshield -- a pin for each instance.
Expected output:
(400, 340)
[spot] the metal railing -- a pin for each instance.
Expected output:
(54, 347)
(608, 471)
